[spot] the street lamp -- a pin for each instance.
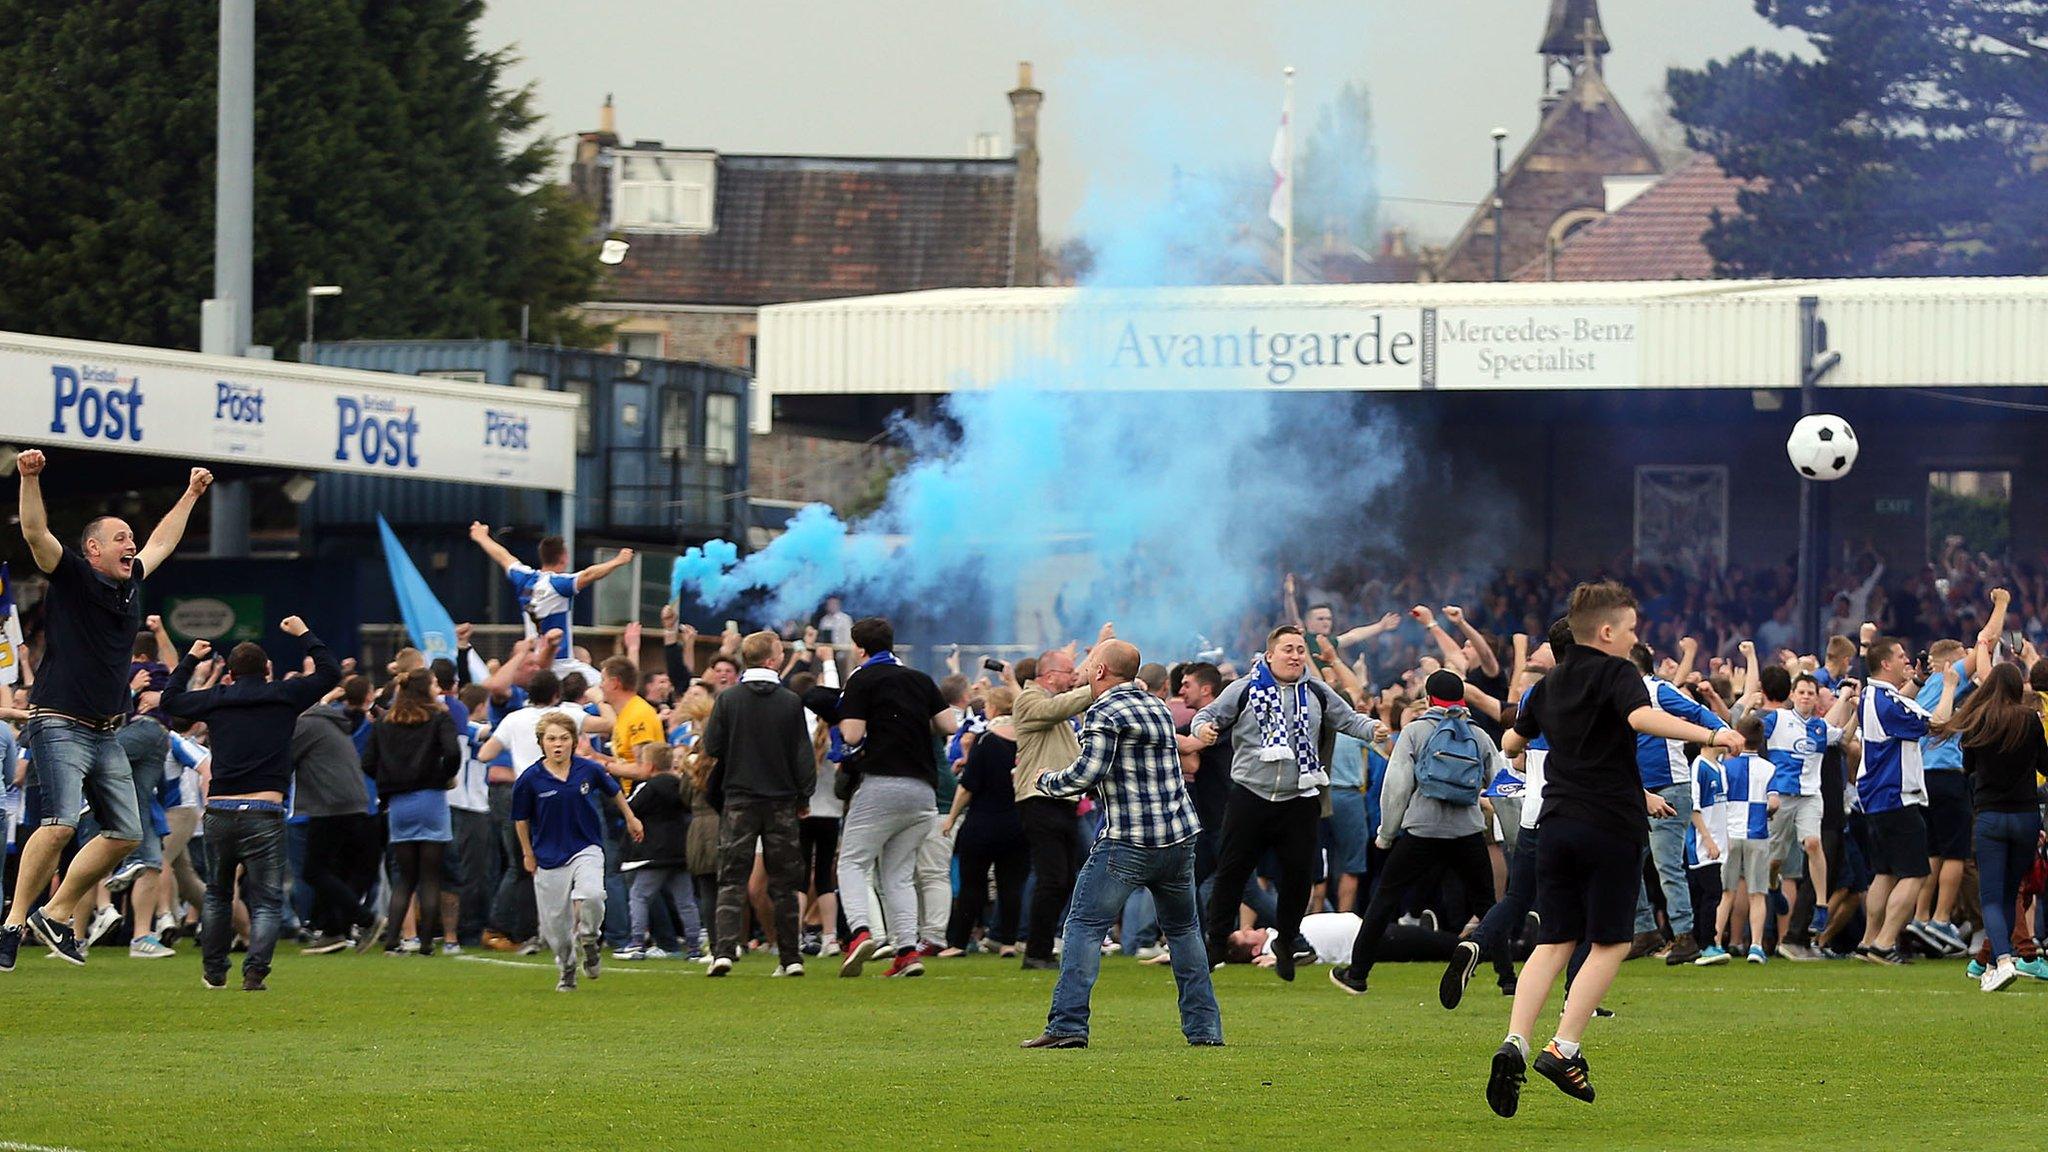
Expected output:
(1500, 136)
(313, 293)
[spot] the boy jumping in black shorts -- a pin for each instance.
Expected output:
(1589, 864)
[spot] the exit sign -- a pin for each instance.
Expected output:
(1895, 506)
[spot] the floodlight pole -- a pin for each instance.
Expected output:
(1815, 362)
(225, 319)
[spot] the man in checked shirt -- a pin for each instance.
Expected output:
(1130, 761)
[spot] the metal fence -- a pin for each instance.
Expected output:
(377, 644)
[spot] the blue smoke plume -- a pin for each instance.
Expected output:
(1045, 508)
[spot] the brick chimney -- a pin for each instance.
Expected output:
(1024, 252)
(588, 174)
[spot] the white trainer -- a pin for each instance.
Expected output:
(1999, 977)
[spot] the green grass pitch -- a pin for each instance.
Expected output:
(373, 1052)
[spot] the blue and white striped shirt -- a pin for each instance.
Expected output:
(1662, 762)
(1130, 760)
(1796, 746)
(1892, 727)
(1745, 809)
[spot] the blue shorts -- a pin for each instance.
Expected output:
(1345, 835)
(72, 765)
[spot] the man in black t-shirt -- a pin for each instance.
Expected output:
(93, 610)
(1595, 830)
(887, 714)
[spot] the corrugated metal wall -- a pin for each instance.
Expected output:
(1694, 334)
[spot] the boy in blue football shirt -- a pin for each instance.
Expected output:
(562, 841)
(547, 594)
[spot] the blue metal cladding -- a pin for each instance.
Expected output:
(640, 476)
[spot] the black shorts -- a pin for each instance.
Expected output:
(1948, 815)
(1587, 881)
(1898, 841)
(819, 838)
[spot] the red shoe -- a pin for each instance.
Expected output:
(858, 951)
(928, 950)
(909, 963)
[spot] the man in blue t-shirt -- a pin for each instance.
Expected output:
(1949, 818)
(561, 842)
(547, 594)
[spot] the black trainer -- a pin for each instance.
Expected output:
(1570, 1075)
(61, 939)
(1341, 977)
(216, 982)
(1283, 964)
(1504, 1083)
(1458, 973)
(593, 958)
(251, 982)
(10, 946)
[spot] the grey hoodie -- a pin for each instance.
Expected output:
(327, 775)
(1403, 809)
(1328, 714)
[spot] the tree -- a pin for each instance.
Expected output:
(1911, 143)
(1337, 172)
(390, 159)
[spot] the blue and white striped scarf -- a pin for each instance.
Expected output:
(1285, 734)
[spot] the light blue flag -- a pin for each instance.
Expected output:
(431, 628)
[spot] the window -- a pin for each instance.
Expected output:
(586, 399)
(675, 420)
(664, 191)
(1968, 513)
(533, 381)
(640, 345)
(464, 375)
(722, 429)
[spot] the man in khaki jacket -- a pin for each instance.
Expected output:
(1046, 743)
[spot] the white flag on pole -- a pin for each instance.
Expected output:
(1281, 208)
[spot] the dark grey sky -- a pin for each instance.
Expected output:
(1132, 89)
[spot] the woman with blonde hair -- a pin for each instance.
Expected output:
(992, 837)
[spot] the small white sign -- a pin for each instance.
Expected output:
(1570, 347)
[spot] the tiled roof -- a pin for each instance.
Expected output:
(1656, 236)
(812, 228)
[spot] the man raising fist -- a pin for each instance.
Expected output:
(93, 610)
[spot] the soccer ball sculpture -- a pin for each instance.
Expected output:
(1822, 447)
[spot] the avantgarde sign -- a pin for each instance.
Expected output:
(208, 408)
(1379, 348)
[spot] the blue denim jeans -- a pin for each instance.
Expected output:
(72, 764)
(1112, 872)
(2005, 854)
(1667, 848)
(1498, 927)
(242, 835)
(146, 744)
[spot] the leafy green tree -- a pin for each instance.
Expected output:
(1338, 172)
(391, 158)
(1910, 141)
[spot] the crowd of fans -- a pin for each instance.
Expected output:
(426, 811)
